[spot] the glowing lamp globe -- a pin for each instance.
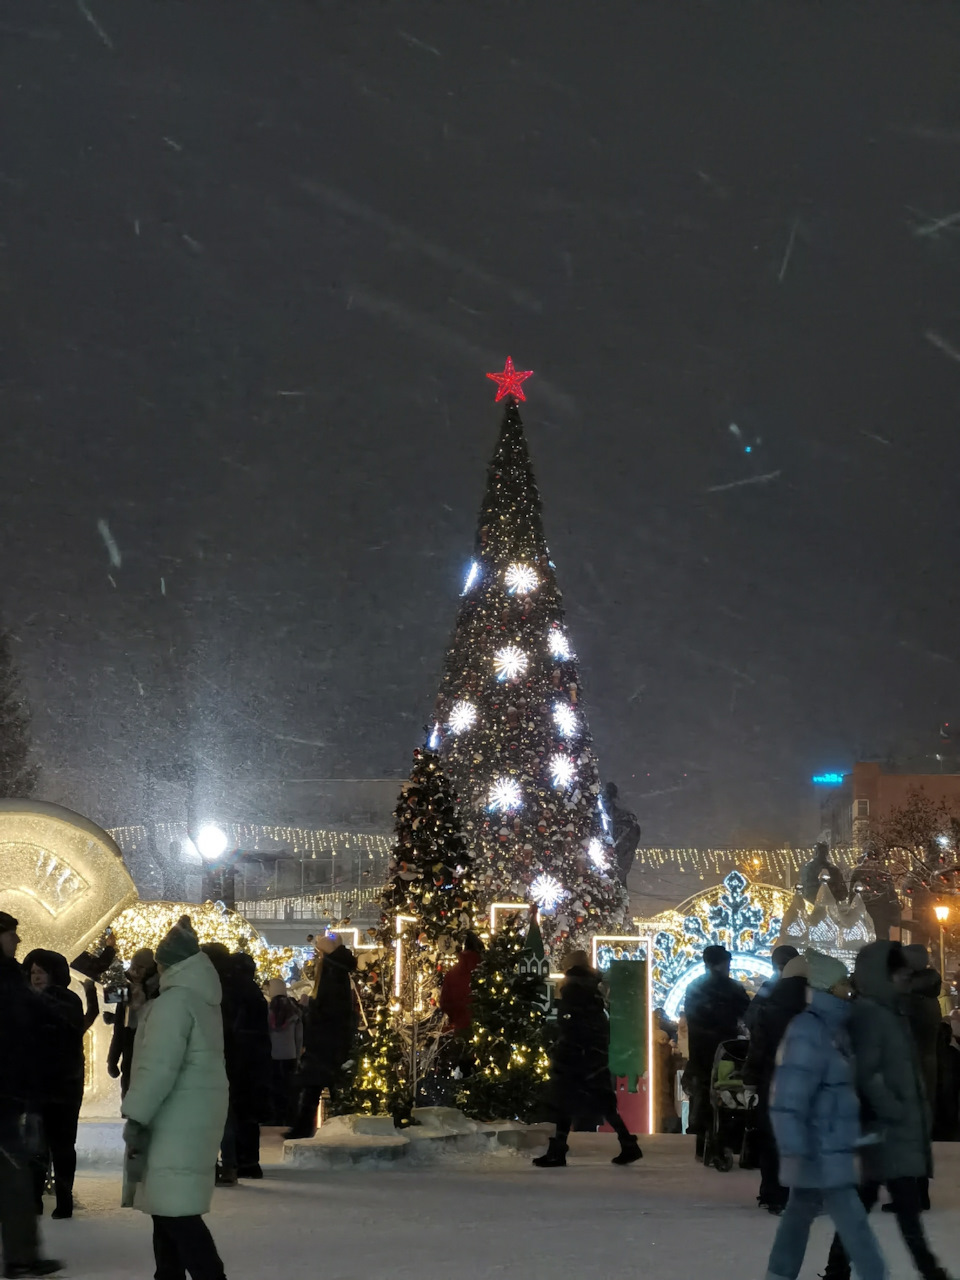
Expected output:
(941, 913)
(212, 842)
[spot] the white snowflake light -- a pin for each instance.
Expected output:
(558, 643)
(547, 892)
(598, 855)
(509, 662)
(473, 573)
(463, 716)
(505, 794)
(561, 771)
(564, 717)
(520, 579)
(433, 742)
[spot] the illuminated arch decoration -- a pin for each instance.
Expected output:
(839, 931)
(61, 876)
(745, 918)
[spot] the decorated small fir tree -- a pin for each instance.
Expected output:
(511, 716)
(509, 1067)
(426, 906)
(18, 777)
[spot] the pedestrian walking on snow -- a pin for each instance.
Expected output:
(580, 1064)
(61, 1074)
(328, 1032)
(175, 1109)
(21, 1019)
(816, 1118)
(893, 1104)
(714, 1008)
(770, 1018)
(286, 1045)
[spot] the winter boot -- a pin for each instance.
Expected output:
(249, 1171)
(556, 1155)
(629, 1151)
(226, 1176)
(64, 1207)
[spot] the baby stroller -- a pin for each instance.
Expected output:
(731, 1102)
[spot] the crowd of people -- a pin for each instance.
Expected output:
(854, 1075)
(204, 1056)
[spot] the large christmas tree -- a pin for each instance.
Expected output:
(426, 907)
(511, 716)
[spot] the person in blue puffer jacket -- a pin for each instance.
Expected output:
(816, 1119)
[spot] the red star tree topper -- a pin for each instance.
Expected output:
(508, 382)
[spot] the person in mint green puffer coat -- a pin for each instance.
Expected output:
(176, 1107)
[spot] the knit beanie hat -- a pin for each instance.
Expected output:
(824, 972)
(796, 968)
(179, 944)
(7, 922)
(143, 958)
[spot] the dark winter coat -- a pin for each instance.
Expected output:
(456, 997)
(252, 1050)
(22, 1017)
(61, 1073)
(813, 1103)
(330, 1026)
(770, 1018)
(580, 1059)
(921, 1004)
(715, 1006)
(946, 1113)
(888, 1074)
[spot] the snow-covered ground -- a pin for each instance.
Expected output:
(477, 1219)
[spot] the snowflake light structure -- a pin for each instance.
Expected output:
(505, 795)
(473, 573)
(520, 579)
(564, 717)
(509, 662)
(598, 855)
(558, 643)
(547, 892)
(463, 716)
(561, 771)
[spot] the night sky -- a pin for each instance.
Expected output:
(256, 258)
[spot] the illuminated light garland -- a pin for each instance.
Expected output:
(463, 716)
(306, 841)
(520, 579)
(146, 923)
(510, 662)
(433, 742)
(565, 718)
(505, 795)
(558, 644)
(547, 892)
(509, 382)
(562, 772)
(473, 574)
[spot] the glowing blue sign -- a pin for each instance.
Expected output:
(827, 779)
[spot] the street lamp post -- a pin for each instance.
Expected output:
(942, 913)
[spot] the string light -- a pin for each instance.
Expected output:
(520, 579)
(509, 662)
(505, 795)
(463, 716)
(565, 718)
(473, 573)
